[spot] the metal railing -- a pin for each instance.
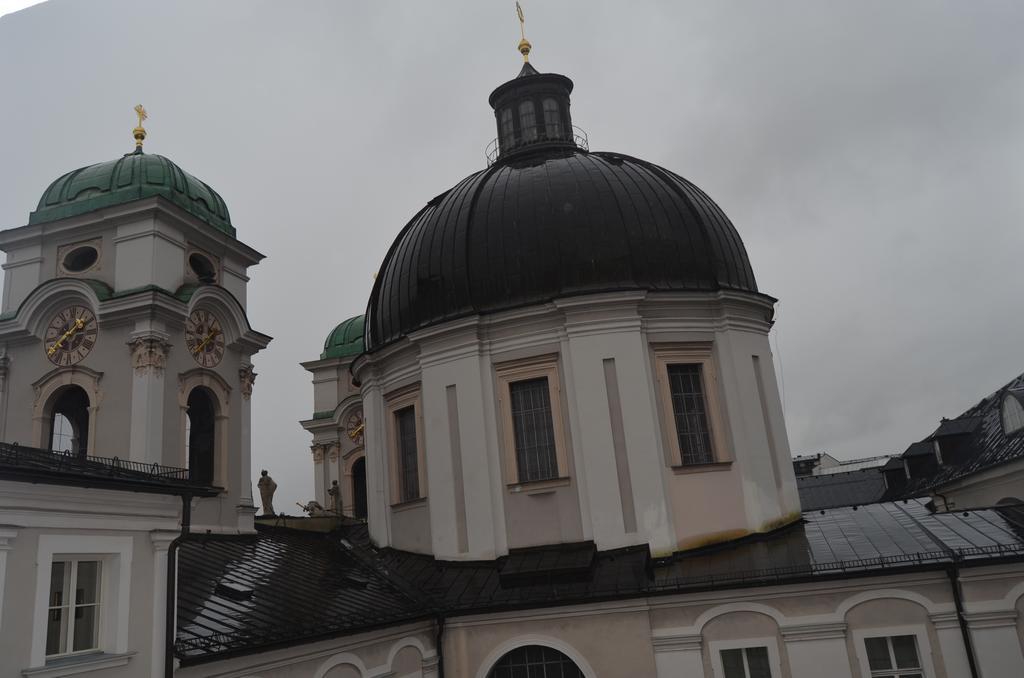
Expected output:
(534, 136)
(21, 457)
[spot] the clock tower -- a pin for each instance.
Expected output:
(123, 328)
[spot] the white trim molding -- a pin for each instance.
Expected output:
(920, 633)
(116, 554)
(770, 643)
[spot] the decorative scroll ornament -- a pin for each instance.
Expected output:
(149, 354)
(246, 378)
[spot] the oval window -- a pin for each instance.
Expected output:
(202, 267)
(81, 259)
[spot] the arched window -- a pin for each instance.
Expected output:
(359, 488)
(552, 119)
(532, 661)
(508, 131)
(527, 121)
(1013, 414)
(201, 427)
(69, 421)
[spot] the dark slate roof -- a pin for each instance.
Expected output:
(921, 448)
(849, 488)
(249, 593)
(279, 587)
(987, 445)
(558, 222)
(957, 427)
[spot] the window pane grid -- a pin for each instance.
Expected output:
(893, 657)
(533, 430)
(408, 460)
(73, 620)
(535, 661)
(748, 662)
(689, 410)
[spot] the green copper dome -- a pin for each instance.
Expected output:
(135, 176)
(345, 340)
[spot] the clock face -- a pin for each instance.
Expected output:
(354, 427)
(204, 338)
(70, 335)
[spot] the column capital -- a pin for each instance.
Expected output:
(246, 378)
(149, 353)
(676, 642)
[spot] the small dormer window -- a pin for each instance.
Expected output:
(552, 119)
(1013, 415)
(528, 121)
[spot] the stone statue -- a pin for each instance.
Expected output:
(267, 487)
(335, 493)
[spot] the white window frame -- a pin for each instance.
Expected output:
(396, 401)
(696, 353)
(715, 649)
(526, 369)
(115, 553)
(71, 567)
(920, 633)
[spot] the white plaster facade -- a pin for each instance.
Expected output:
(623, 485)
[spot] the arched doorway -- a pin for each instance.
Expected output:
(535, 660)
(200, 431)
(69, 421)
(359, 488)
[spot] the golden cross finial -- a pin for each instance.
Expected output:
(524, 44)
(139, 132)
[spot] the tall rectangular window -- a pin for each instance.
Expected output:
(534, 444)
(747, 662)
(552, 119)
(527, 121)
(893, 657)
(73, 607)
(533, 429)
(408, 455)
(689, 410)
(508, 132)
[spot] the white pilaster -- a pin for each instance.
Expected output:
(161, 543)
(996, 644)
(149, 346)
(951, 643)
(814, 648)
(245, 509)
(7, 535)
(678, 655)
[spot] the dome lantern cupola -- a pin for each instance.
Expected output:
(531, 109)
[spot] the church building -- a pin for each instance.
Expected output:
(552, 446)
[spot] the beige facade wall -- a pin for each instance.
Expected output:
(811, 631)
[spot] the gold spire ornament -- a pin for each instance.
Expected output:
(139, 132)
(524, 44)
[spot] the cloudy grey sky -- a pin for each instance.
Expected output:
(870, 154)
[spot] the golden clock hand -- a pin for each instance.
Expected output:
(355, 433)
(79, 324)
(211, 335)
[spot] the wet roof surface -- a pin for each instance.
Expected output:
(245, 593)
(852, 488)
(985, 443)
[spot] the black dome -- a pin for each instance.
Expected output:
(556, 222)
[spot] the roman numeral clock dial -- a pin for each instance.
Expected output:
(204, 338)
(70, 336)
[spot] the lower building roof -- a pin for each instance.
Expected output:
(247, 593)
